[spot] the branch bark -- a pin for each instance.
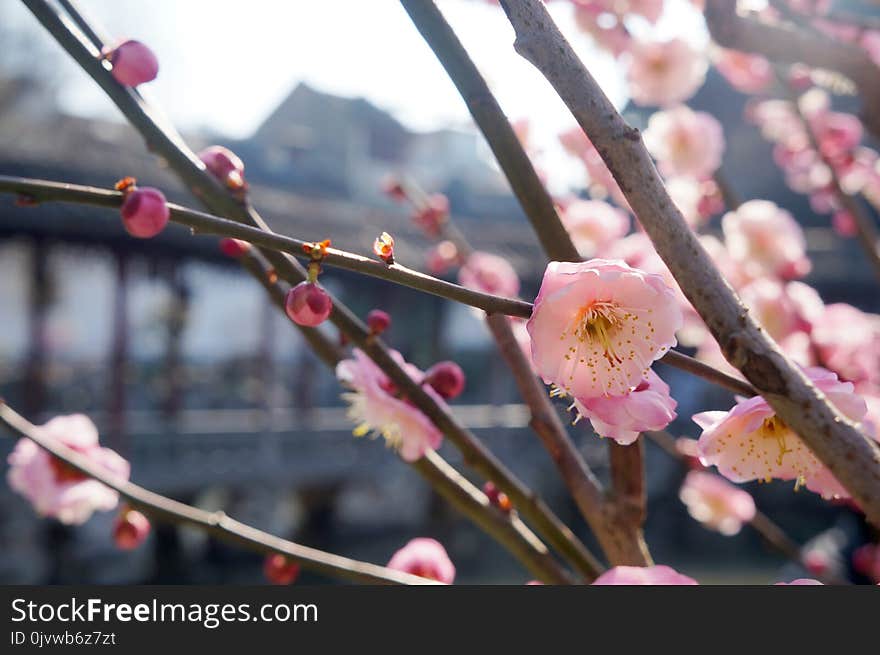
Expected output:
(851, 456)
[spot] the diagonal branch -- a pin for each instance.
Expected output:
(214, 523)
(836, 441)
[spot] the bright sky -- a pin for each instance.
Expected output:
(225, 64)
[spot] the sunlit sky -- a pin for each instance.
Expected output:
(225, 64)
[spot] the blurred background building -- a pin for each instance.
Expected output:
(192, 374)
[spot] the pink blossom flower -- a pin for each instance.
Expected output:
(697, 200)
(659, 575)
(716, 503)
(376, 409)
(593, 224)
(848, 342)
(750, 442)
(442, 257)
(647, 407)
(425, 558)
(54, 488)
(597, 326)
(746, 72)
(664, 73)
(685, 142)
(489, 273)
(766, 240)
(782, 309)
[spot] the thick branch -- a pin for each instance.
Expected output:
(165, 142)
(784, 44)
(214, 523)
(836, 441)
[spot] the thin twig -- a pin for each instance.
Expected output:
(836, 441)
(214, 523)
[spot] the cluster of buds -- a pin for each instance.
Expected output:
(144, 210)
(132, 62)
(307, 303)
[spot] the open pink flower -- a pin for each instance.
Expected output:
(685, 142)
(644, 576)
(848, 341)
(54, 488)
(665, 73)
(593, 224)
(597, 326)
(766, 240)
(376, 408)
(716, 503)
(647, 407)
(489, 273)
(745, 72)
(750, 442)
(426, 558)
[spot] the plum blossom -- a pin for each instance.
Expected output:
(765, 240)
(593, 224)
(647, 407)
(665, 73)
(659, 575)
(746, 72)
(848, 342)
(425, 558)
(697, 200)
(376, 409)
(602, 182)
(597, 326)
(489, 273)
(717, 504)
(56, 489)
(750, 442)
(685, 142)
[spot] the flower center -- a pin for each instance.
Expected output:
(775, 428)
(597, 323)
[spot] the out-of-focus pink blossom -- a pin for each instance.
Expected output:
(54, 488)
(426, 558)
(442, 257)
(750, 442)
(866, 560)
(659, 575)
(780, 308)
(685, 142)
(647, 407)
(593, 224)
(766, 240)
(375, 408)
(597, 326)
(130, 529)
(489, 273)
(716, 503)
(746, 72)
(800, 581)
(848, 342)
(697, 200)
(602, 182)
(664, 73)
(431, 215)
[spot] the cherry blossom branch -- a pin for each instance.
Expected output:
(784, 44)
(215, 523)
(834, 439)
(164, 141)
(200, 222)
(207, 224)
(770, 531)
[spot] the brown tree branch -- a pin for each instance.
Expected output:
(162, 140)
(215, 523)
(836, 441)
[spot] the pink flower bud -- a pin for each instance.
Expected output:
(383, 246)
(433, 214)
(225, 165)
(234, 248)
(378, 321)
(308, 304)
(133, 63)
(393, 188)
(446, 378)
(280, 570)
(144, 212)
(131, 529)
